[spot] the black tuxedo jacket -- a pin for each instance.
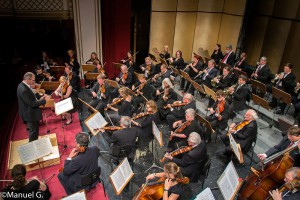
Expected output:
(107, 93)
(28, 105)
(126, 136)
(211, 74)
(128, 81)
(239, 97)
(224, 114)
(230, 59)
(225, 82)
(246, 136)
(180, 112)
(263, 74)
(217, 56)
(287, 83)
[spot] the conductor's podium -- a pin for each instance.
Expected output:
(46, 161)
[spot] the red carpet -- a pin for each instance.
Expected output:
(54, 124)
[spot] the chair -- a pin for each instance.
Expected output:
(205, 171)
(118, 153)
(92, 179)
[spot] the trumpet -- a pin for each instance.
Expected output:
(274, 80)
(214, 83)
(226, 90)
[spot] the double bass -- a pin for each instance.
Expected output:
(271, 175)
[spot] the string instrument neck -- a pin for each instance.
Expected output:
(144, 114)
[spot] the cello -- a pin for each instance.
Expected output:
(272, 174)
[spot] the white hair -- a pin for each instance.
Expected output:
(168, 81)
(253, 114)
(194, 138)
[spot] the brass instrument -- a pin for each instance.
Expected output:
(274, 80)
(214, 83)
(226, 90)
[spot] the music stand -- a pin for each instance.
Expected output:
(239, 72)
(198, 87)
(185, 76)
(206, 124)
(49, 104)
(88, 68)
(163, 61)
(261, 102)
(282, 96)
(50, 85)
(210, 92)
(175, 71)
(260, 87)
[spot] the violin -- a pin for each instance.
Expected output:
(80, 149)
(103, 90)
(239, 126)
(124, 76)
(64, 89)
(148, 68)
(115, 102)
(140, 115)
(220, 109)
(180, 128)
(176, 105)
(69, 77)
(110, 128)
(177, 152)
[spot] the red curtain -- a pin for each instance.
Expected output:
(115, 33)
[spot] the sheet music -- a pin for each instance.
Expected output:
(35, 150)
(76, 196)
(118, 179)
(63, 106)
(95, 121)
(228, 181)
(156, 132)
(235, 148)
(205, 195)
(126, 169)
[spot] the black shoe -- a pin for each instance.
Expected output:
(279, 112)
(272, 105)
(207, 141)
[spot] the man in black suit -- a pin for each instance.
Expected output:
(29, 106)
(285, 82)
(193, 161)
(241, 64)
(158, 78)
(121, 78)
(178, 113)
(243, 133)
(240, 95)
(82, 161)
(229, 56)
(148, 68)
(262, 72)
(293, 135)
(225, 80)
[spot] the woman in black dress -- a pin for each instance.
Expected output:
(32, 188)
(217, 54)
(65, 90)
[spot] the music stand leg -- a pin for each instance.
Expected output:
(154, 158)
(41, 171)
(46, 122)
(65, 146)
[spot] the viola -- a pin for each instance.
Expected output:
(176, 105)
(64, 89)
(101, 70)
(115, 102)
(140, 115)
(103, 90)
(177, 152)
(239, 126)
(180, 128)
(110, 128)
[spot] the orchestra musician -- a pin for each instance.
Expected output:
(292, 189)
(182, 128)
(240, 95)
(100, 93)
(173, 189)
(125, 77)
(128, 61)
(178, 62)
(229, 56)
(163, 55)
(193, 161)
(292, 136)
(296, 101)
(46, 62)
(72, 78)
(217, 55)
(284, 82)
(166, 95)
(175, 114)
(99, 68)
(225, 79)
(65, 91)
(93, 57)
(145, 126)
(38, 72)
(72, 61)
(148, 68)
(262, 72)
(193, 69)
(29, 106)
(22, 187)
(243, 133)
(123, 108)
(143, 92)
(158, 78)
(81, 161)
(219, 114)
(241, 63)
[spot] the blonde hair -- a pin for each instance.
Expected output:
(62, 79)
(148, 58)
(152, 105)
(173, 168)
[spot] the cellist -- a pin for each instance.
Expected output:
(292, 136)
(244, 133)
(219, 114)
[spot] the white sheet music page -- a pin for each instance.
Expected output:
(76, 196)
(205, 195)
(118, 179)
(234, 147)
(126, 169)
(156, 133)
(96, 121)
(63, 106)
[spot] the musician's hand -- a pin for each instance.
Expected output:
(73, 153)
(262, 156)
(276, 195)
(167, 155)
(143, 68)
(231, 90)
(281, 76)
(157, 92)
(94, 94)
(169, 106)
(117, 79)
(153, 79)
(123, 81)
(168, 183)
(133, 87)
(150, 176)
(123, 61)
(211, 110)
(47, 97)
(56, 93)
(205, 71)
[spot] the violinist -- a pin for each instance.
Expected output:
(173, 188)
(178, 113)
(72, 61)
(99, 68)
(292, 136)
(65, 91)
(125, 77)
(142, 89)
(166, 95)
(145, 125)
(72, 78)
(193, 161)
(291, 188)
(40, 75)
(123, 108)
(178, 62)
(219, 114)
(128, 61)
(193, 69)
(93, 57)
(148, 68)
(81, 161)
(243, 133)
(182, 128)
(100, 93)
(158, 78)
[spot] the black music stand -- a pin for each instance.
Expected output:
(261, 102)
(206, 124)
(259, 87)
(282, 96)
(237, 73)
